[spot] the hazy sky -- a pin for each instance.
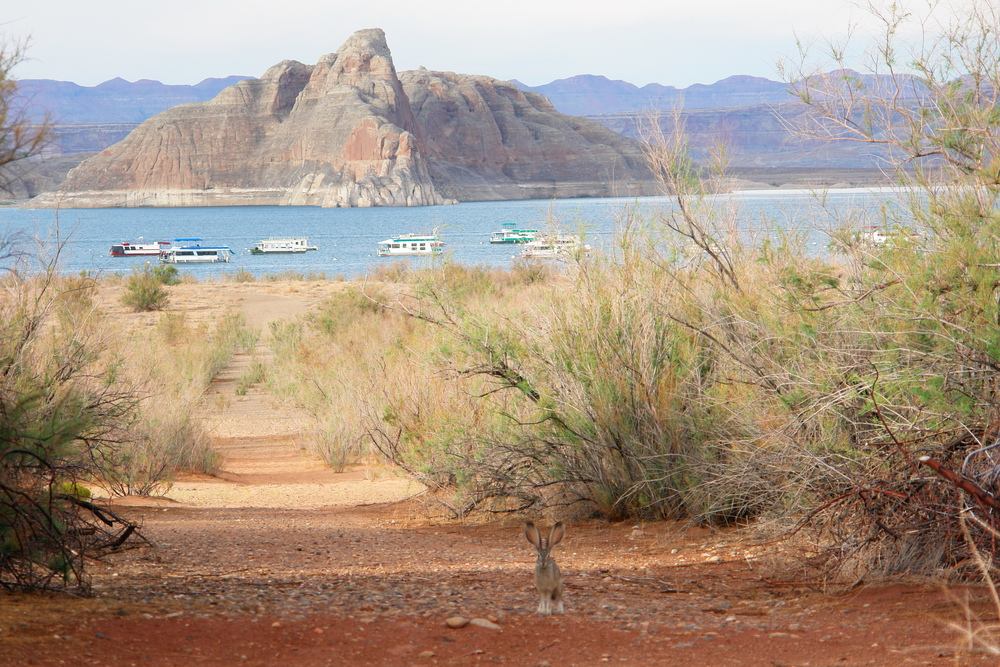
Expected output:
(673, 42)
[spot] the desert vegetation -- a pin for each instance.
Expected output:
(90, 404)
(697, 372)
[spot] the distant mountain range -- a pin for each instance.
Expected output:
(589, 95)
(120, 101)
(114, 101)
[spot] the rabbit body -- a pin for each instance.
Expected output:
(548, 578)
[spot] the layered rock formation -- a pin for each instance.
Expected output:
(345, 133)
(340, 133)
(487, 139)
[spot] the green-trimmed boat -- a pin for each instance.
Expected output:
(508, 234)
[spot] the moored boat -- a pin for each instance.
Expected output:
(560, 246)
(129, 249)
(509, 234)
(194, 254)
(410, 244)
(879, 237)
(282, 245)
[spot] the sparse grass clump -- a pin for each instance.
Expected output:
(241, 275)
(254, 375)
(310, 276)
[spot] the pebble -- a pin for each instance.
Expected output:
(456, 622)
(484, 623)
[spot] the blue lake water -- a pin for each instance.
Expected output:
(347, 238)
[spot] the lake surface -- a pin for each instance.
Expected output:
(347, 237)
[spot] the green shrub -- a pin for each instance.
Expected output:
(144, 291)
(66, 411)
(167, 274)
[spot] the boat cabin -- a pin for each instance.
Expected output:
(410, 244)
(195, 254)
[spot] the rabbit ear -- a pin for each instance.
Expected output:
(532, 534)
(556, 534)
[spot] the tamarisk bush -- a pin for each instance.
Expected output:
(63, 417)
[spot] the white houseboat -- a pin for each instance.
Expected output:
(194, 254)
(410, 244)
(879, 237)
(562, 246)
(282, 245)
(509, 234)
(128, 249)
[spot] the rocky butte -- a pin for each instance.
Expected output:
(348, 131)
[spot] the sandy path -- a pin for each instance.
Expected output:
(266, 443)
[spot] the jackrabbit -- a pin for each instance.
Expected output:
(548, 579)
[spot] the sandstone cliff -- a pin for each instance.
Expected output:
(487, 139)
(339, 133)
(349, 132)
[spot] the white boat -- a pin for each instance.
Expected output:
(509, 234)
(561, 246)
(282, 245)
(128, 249)
(410, 244)
(878, 237)
(194, 254)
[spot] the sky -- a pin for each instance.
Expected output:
(671, 42)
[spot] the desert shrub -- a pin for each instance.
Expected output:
(167, 274)
(528, 272)
(230, 334)
(160, 445)
(328, 361)
(916, 317)
(337, 444)
(172, 328)
(246, 338)
(144, 291)
(67, 410)
(598, 386)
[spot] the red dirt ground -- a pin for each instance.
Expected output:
(371, 587)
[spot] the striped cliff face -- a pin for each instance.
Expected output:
(348, 131)
(338, 133)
